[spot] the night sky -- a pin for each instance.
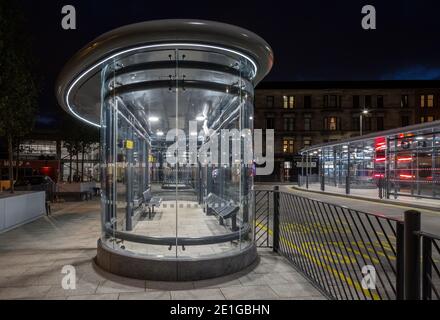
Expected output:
(312, 40)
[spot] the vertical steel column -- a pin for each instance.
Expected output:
(321, 158)
(347, 178)
(129, 181)
(115, 136)
(417, 175)
(433, 167)
(307, 170)
(199, 183)
(412, 255)
(141, 160)
(387, 168)
(209, 179)
(276, 219)
(334, 165)
(396, 178)
(400, 261)
(302, 169)
(107, 175)
(146, 172)
(426, 268)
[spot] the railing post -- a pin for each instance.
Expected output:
(348, 178)
(400, 261)
(412, 255)
(307, 171)
(426, 269)
(276, 219)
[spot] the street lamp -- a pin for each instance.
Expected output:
(361, 119)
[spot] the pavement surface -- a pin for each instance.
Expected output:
(33, 256)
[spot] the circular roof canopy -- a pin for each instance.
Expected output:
(78, 87)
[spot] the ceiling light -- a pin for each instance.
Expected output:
(201, 118)
(159, 133)
(100, 63)
(153, 119)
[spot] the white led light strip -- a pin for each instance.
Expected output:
(142, 48)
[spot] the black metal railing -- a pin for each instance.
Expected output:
(430, 266)
(263, 209)
(349, 254)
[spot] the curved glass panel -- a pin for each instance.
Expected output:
(177, 152)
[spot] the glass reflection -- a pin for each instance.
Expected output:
(174, 147)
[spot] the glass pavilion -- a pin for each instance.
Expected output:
(403, 162)
(166, 95)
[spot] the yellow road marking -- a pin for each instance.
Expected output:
(335, 272)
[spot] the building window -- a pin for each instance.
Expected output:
(270, 101)
(270, 121)
(289, 102)
(331, 123)
(288, 145)
(367, 123)
(289, 123)
(332, 101)
(380, 102)
(307, 102)
(379, 123)
(404, 101)
(307, 142)
(355, 123)
(430, 100)
(426, 119)
(307, 124)
(427, 101)
(405, 121)
(356, 102)
(367, 102)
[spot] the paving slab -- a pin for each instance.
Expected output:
(198, 294)
(32, 258)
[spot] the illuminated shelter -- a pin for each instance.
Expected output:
(159, 91)
(393, 164)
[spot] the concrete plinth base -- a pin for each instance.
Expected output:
(127, 264)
